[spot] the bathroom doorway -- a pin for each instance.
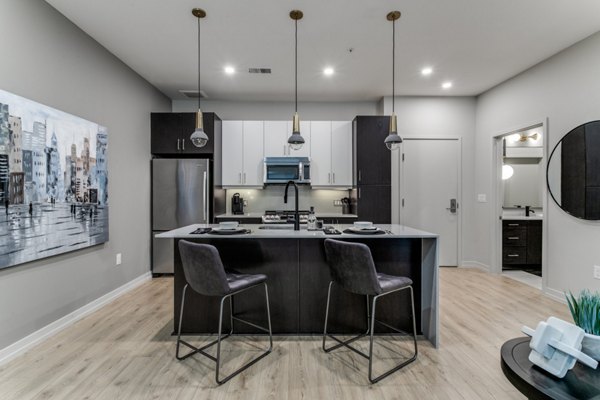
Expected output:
(519, 230)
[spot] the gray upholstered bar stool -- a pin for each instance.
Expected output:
(205, 274)
(352, 268)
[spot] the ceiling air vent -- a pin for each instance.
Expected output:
(259, 70)
(193, 94)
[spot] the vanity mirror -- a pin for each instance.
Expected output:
(573, 173)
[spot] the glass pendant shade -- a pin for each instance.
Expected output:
(393, 140)
(296, 140)
(199, 138)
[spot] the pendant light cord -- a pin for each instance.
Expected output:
(199, 95)
(393, 64)
(296, 67)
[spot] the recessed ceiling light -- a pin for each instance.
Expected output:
(328, 71)
(426, 71)
(229, 70)
(446, 85)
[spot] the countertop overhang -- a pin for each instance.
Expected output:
(397, 232)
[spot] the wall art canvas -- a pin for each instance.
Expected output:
(53, 181)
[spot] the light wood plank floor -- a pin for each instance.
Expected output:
(125, 351)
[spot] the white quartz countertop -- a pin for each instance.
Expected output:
(259, 215)
(394, 231)
(522, 217)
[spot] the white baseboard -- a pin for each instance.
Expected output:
(555, 295)
(21, 346)
(476, 265)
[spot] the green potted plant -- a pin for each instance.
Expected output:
(585, 310)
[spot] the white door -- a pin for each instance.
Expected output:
(275, 137)
(320, 161)
(429, 184)
(341, 153)
(253, 153)
(232, 164)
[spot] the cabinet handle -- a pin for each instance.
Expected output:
(329, 177)
(183, 144)
(333, 177)
(240, 177)
(513, 255)
(359, 193)
(244, 177)
(513, 224)
(513, 238)
(359, 175)
(177, 144)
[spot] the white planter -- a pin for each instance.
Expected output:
(591, 346)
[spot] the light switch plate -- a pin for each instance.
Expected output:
(596, 271)
(482, 198)
(118, 258)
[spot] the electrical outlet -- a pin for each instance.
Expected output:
(596, 271)
(118, 258)
(337, 203)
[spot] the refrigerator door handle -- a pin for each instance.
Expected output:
(205, 198)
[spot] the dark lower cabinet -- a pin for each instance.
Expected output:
(522, 244)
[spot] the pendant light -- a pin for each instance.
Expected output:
(199, 138)
(296, 140)
(393, 140)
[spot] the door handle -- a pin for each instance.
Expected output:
(453, 206)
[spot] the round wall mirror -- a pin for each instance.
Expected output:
(574, 172)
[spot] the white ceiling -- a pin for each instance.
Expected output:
(474, 43)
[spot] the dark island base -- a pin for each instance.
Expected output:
(298, 278)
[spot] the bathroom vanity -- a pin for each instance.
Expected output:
(522, 244)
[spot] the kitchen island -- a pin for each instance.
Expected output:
(298, 277)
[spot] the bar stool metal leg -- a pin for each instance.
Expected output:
(221, 337)
(371, 319)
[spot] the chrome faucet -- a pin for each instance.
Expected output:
(285, 198)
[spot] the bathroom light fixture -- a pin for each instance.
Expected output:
(523, 137)
(199, 138)
(296, 140)
(426, 71)
(328, 71)
(446, 85)
(507, 172)
(393, 140)
(229, 70)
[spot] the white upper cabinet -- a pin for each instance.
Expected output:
(276, 136)
(341, 153)
(242, 153)
(320, 162)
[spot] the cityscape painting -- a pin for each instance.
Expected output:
(53, 181)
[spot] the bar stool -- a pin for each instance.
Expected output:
(205, 274)
(352, 268)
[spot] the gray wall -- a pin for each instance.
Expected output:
(439, 117)
(566, 90)
(47, 59)
(280, 111)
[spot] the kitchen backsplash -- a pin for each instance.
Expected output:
(271, 198)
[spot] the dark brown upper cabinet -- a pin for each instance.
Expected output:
(171, 133)
(372, 160)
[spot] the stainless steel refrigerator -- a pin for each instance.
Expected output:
(181, 195)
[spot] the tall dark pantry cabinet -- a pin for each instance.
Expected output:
(372, 175)
(186, 180)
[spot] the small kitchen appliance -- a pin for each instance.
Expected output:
(237, 204)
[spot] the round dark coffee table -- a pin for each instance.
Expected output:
(580, 383)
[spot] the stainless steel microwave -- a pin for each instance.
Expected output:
(284, 169)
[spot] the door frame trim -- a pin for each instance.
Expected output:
(397, 164)
(496, 191)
